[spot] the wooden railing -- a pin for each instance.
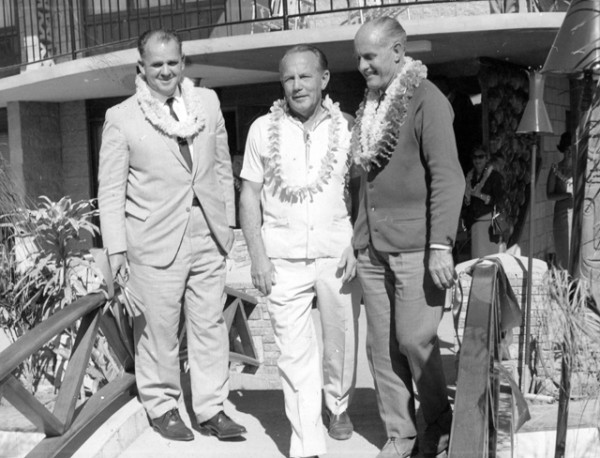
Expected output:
(476, 405)
(68, 424)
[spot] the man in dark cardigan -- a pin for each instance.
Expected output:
(410, 200)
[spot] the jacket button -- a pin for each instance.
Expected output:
(187, 209)
(372, 209)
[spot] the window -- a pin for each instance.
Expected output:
(7, 14)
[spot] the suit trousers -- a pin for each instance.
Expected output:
(296, 281)
(196, 279)
(404, 309)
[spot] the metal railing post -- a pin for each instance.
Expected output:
(72, 31)
(286, 20)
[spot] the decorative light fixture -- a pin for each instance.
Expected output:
(535, 117)
(535, 120)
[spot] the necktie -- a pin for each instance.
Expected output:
(184, 148)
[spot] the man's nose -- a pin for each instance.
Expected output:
(296, 85)
(165, 69)
(362, 64)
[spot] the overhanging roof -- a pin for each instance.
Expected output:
(450, 42)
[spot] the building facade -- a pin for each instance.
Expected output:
(64, 62)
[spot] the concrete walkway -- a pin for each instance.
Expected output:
(261, 412)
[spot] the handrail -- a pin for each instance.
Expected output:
(477, 388)
(33, 31)
(68, 424)
(32, 341)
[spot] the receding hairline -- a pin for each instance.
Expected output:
(322, 62)
(162, 35)
(383, 30)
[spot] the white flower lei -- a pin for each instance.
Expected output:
(274, 172)
(155, 113)
(375, 133)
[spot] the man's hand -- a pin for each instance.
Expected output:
(262, 275)
(118, 265)
(347, 264)
(441, 268)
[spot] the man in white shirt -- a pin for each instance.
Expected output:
(295, 214)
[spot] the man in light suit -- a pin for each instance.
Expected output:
(166, 208)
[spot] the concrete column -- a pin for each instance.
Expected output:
(35, 146)
(75, 150)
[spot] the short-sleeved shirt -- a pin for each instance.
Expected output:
(319, 225)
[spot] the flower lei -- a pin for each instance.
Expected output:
(479, 185)
(375, 133)
(155, 113)
(274, 171)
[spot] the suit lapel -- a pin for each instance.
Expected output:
(173, 147)
(199, 149)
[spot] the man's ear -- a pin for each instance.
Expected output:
(325, 79)
(398, 52)
(140, 68)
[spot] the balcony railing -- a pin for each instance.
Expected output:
(43, 32)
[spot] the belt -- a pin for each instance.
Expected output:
(195, 202)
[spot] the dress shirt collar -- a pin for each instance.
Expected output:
(162, 98)
(321, 116)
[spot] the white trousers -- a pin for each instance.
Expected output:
(289, 304)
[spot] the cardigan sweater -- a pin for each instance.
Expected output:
(414, 200)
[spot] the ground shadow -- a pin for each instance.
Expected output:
(267, 407)
(365, 416)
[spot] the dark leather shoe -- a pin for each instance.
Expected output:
(221, 426)
(339, 426)
(398, 448)
(436, 437)
(170, 426)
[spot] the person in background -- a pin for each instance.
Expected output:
(409, 205)
(483, 191)
(559, 188)
(295, 214)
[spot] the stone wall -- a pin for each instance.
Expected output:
(238, 277)
(516, 272)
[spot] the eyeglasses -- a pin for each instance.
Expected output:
(479, 156)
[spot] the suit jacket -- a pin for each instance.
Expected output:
(146, 189)
(415, 199)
